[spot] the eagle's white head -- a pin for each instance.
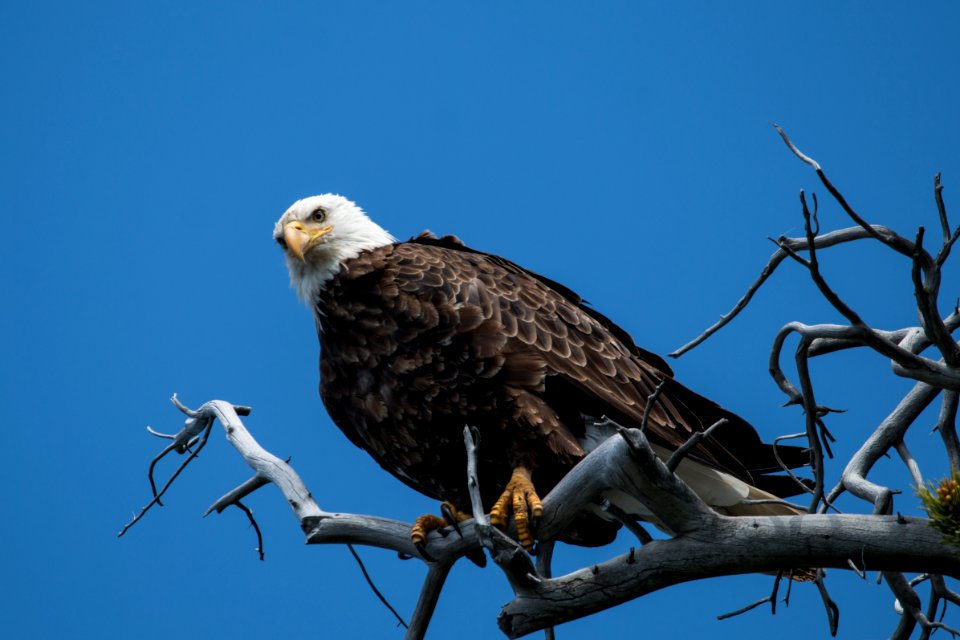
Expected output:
(318, 234)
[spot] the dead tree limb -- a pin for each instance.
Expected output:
(706, 545)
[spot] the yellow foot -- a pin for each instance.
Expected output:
(521, 498)
(429, 522)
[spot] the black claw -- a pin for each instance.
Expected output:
(534, 525)
(451, 520)
(422, 550)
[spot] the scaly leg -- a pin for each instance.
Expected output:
(521, 496)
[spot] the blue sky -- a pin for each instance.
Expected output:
(146, 150)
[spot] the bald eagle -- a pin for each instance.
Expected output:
(419, 338)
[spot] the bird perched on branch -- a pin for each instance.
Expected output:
(419, 338)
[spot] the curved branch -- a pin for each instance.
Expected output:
(886, 435)
(896, 242)
(786, 245)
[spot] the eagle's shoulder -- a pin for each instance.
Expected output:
(457, 256)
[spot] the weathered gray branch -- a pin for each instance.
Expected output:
(429, 595)
(886, 436)
(893, 240)
(734, 545)
(628, 464)
(707, 544)
(947, 426)
(903, 347)
(785, 245)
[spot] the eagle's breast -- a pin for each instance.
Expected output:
(411, 350)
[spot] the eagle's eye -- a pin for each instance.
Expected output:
(318, 214)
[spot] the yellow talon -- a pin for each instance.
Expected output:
(424, 525)
(521, 498)
(429, 522)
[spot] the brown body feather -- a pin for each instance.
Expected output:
(420, 338)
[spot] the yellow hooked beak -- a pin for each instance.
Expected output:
(300, 238)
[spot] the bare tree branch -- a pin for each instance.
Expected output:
(373, 587)
(886, 436)
(740, 545)
(926, 290)
(947, 426)
(437, 574)
(772, 599)
(677, 456)
(256, 527)
(785, 246)
(911, 463)
(895, 242)
(912, 614)
(941, 209)
(831, 608)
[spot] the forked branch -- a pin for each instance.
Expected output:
(710, 545)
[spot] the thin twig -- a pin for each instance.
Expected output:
(857, 570)
(650, 400)
(899, 245)
(380, 596)
(833, 611)
(786, 247)
(941, 587)
(776, 590)
(742, 610)
(814, 267)
(941, 208)
(772, 599)
(948, 238)
(157, 495)
(773, 447)
(253, 523)
(677, 456)
(153, 465)
(920, 579)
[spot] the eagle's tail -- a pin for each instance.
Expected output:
(775, 507)
(713, 487)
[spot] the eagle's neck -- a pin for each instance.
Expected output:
(311, 278)
(338, 284)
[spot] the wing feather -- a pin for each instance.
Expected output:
(588, 352)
